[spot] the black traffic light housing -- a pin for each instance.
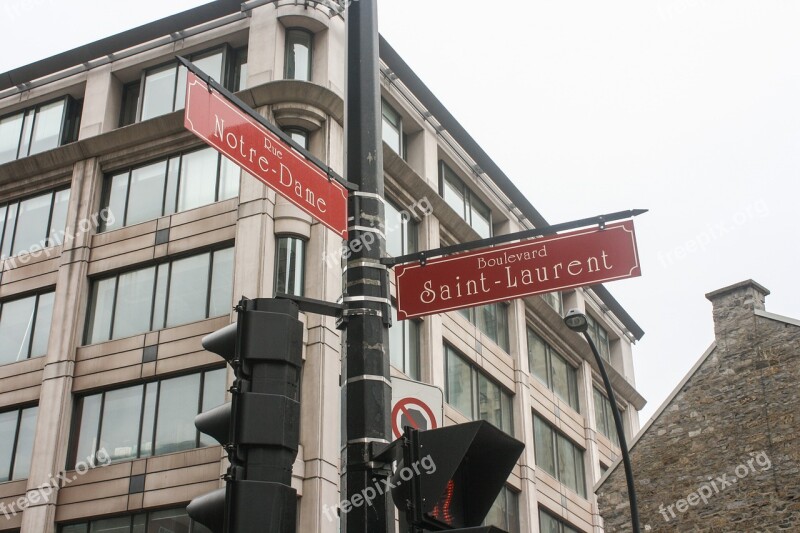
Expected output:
(260, 427)
(465, 468)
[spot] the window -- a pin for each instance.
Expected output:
(180, 183)
(17, 430)
(25, 327)
(558, 456)
(38, 129)
(599, 337)
(166, 521)
(550, 524)
(404, 345)
(604, 417)
(554, 300)
(464, 202)
(144, 420)
(491, 320)
(298, 54)
(474, 394)
(298, 135)
(552, 369)
(290, 266)
(162, 89)
(37, 221)
(162, 296)
(393, 129)
(401, 231)
(504, 512)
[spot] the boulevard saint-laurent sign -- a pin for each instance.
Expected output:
(505, 272)
(224, 126)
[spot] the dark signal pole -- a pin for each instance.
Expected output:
(366, 387)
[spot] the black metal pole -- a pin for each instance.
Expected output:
(623, 444)
(366, 388)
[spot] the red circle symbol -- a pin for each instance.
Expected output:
(403, 407)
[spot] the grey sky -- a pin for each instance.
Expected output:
(688, 108)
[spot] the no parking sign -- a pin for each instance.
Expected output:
(415, 404)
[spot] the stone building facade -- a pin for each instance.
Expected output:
(723, 452)
(124, 240)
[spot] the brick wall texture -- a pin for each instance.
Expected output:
(724, 454)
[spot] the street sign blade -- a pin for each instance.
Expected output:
(535, 266)
(227, 128)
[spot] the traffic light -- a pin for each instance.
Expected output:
(260, 427)
(464, 468)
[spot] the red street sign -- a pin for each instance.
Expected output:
(535, 266)
(221, 124)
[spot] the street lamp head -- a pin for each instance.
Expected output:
(576, 321)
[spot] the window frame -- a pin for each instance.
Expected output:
(33, 321)
(77, 416)
(230, 57)
(92, 304)
(68, 125)
(310, 73)
(476, 374)
(447, 174)
(47, 239)
(15, 448)
(550, 352)
(604, 412)
(304, 243)
(108, 178)
(557, 437)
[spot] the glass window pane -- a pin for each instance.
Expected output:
(171, 520)
(117, 196)
(8, 433)
(394, 231)
(188, 290)
(453, 192)
(221, 284)
(89, 416)
(41, 332)
(173, 178)
(47, 127)
(561, 373)
(134, 302)
(16, 323)
(130, 103)
(481, 218)
(211, 65)
(8, 233)
(397, 342)
(543, 445)
(25, 139)
(490, 404)
(122, 411)
(121, 524)
(537, 357)
(59, 218)
(213, 396)
(160, 303)
(148, 419)
(289, 272)
(159, 92)
(102, 305)
(566, 463)
(140, 523)
(177, 407)
(229, 174)
(548, 524)
(76, 528)
(146, 193)
(10, 129)
(498, 513)
(298, 55)
(198, 183)
(459, 383)
(34, 215)
(412, 349)
(27, 432)
(391, 127)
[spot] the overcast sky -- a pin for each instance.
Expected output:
(689, 108)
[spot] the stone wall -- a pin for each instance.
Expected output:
(723, 455)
